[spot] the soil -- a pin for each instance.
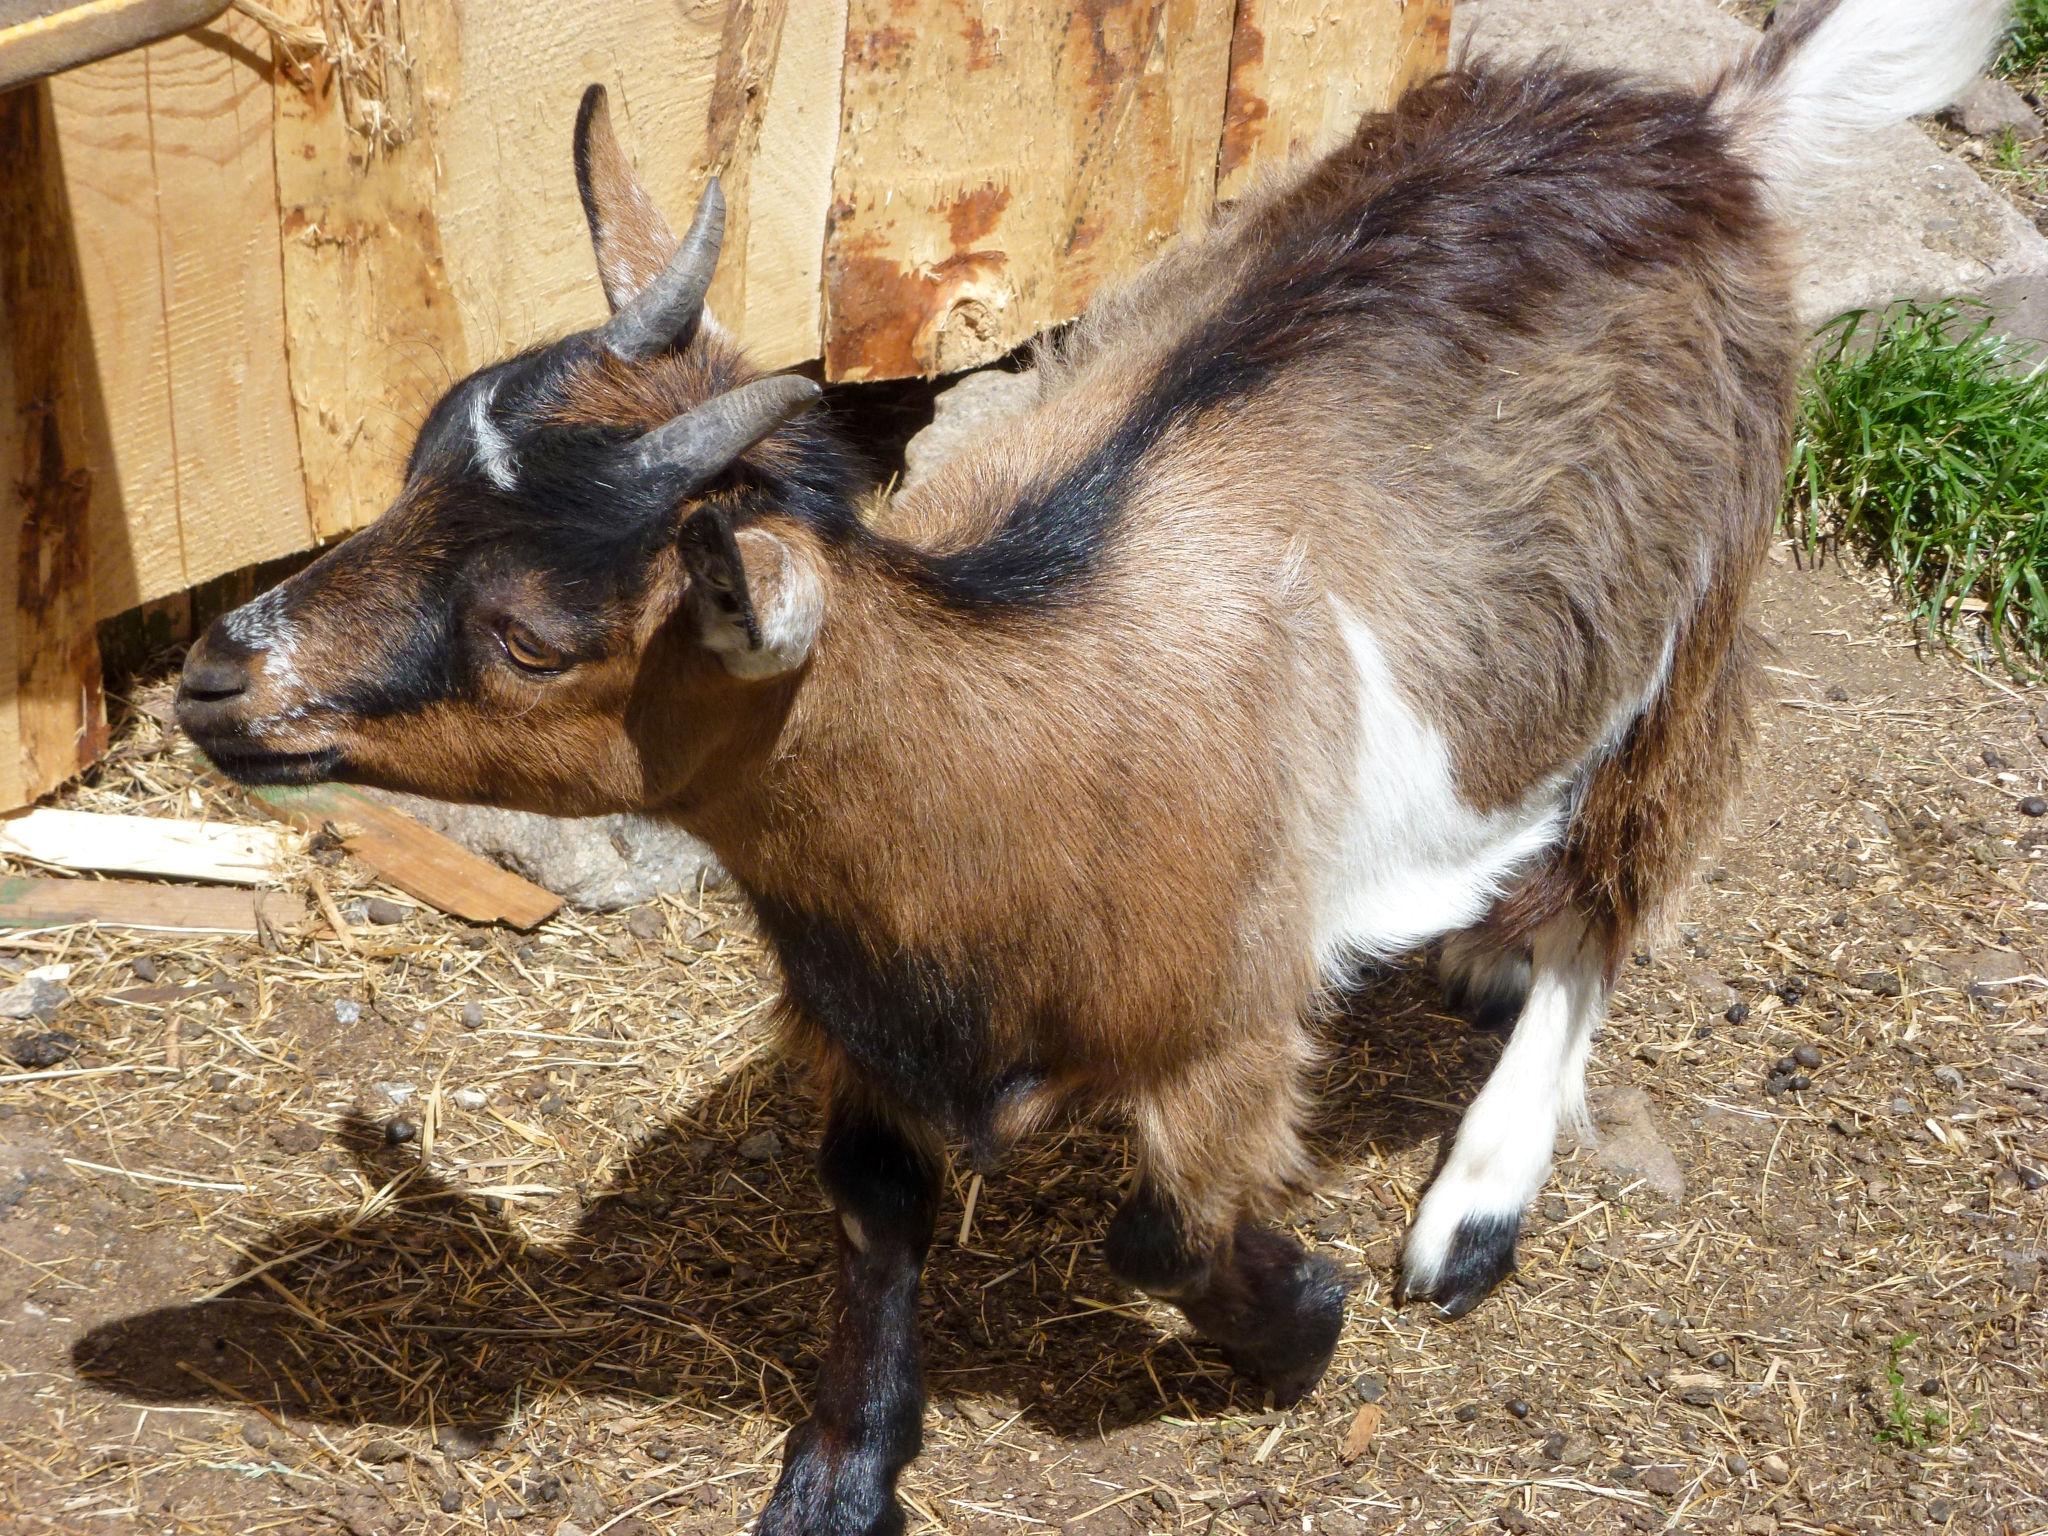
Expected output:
(522, 1236)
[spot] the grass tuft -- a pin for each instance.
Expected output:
(1923, 442)
(2024, 60)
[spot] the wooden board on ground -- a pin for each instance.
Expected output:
(147, 845)
(28, 902)
(414, 858)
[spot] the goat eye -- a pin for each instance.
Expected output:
(528, 652)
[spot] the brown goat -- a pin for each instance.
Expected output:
(1371, 572)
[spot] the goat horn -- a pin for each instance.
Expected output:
(665, 311)
(701, 442)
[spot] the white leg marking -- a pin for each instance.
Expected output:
(1502, 1155)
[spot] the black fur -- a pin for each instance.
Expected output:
(1272, 1307)
(840, 1468)
(914, 1030)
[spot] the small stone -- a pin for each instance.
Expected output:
(1368, 1389)
(1807, 1056)
(1589, 1261)
(1949, 1078)
(38, 995)
(293, 1137)
(398, 1132)
(1738, 1013)
(382, 1452)
(660, 1448)
(347, 1010)
(143, 968)
(2034, 805)
(1517, 1522)
(1663, 1319)
(459, 1442)
(451, 1500)
(1990, 108)
(1880, 983)
(647, 923)
(1737, 1464)
(1774, 1470)
(1718, 1360)
(1939, 1510)
(43, 1048)
(472, 1015)
(467, 1098)
(1572, 1450)
(385, 912)
(761, 1147)
(1664, 1480)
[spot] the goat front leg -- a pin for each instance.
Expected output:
(840, 1467)
(1220, 1148)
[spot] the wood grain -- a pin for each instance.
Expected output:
(52, 714)
(1302, 73)
(415, 858)
(27, 902)
(1049, 148)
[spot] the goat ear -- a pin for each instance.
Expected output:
(632, 239)
(758, 598)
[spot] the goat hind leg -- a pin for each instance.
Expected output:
(1463, 1241)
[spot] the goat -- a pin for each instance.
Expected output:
(1371, 572)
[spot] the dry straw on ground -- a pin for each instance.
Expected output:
(434, 1228)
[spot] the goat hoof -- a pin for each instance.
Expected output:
(1480, 1255)
(1290, 1346)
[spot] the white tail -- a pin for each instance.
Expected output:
(1830, 71)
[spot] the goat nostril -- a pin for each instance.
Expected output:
(213, 681)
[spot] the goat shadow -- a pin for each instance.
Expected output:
(702, 1278)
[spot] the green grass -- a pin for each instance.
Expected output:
(2025, 58)
(1923, 443)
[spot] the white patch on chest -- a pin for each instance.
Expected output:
(1408, 860)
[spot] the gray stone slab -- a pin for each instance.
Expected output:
(1903, 219)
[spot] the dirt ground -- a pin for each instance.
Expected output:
(464, 1230)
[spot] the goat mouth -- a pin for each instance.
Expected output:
(260, 766)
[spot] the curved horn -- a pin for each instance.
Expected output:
(698, 444)
(665, 311)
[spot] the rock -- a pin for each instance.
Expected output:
(1859, 227)
(143, 968)
(293, 1137)
(647, 923)
(599, 863)
(1572, 1450)
(382, 1452)
(1632, 1143)
(472, 1015)
(385, 912)
(38, 995)
(1988, 108)
(962, 412)
(1773, 1469)
(761, 1147)
(467, 1098)
(347, 1011)
(43, 1048)
(1696, 1387)
(1664, 1480)
(1368, 1389)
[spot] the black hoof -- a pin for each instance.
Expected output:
(1482, 1254)
(1278, 1320)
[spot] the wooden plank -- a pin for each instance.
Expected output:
(147, 845)
(511, 225)
(414, 858)
(55, 718)
(371, 324)
(169, 170)
(40, 37)
(27, 902)
(998, 161)
(1302, 73)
